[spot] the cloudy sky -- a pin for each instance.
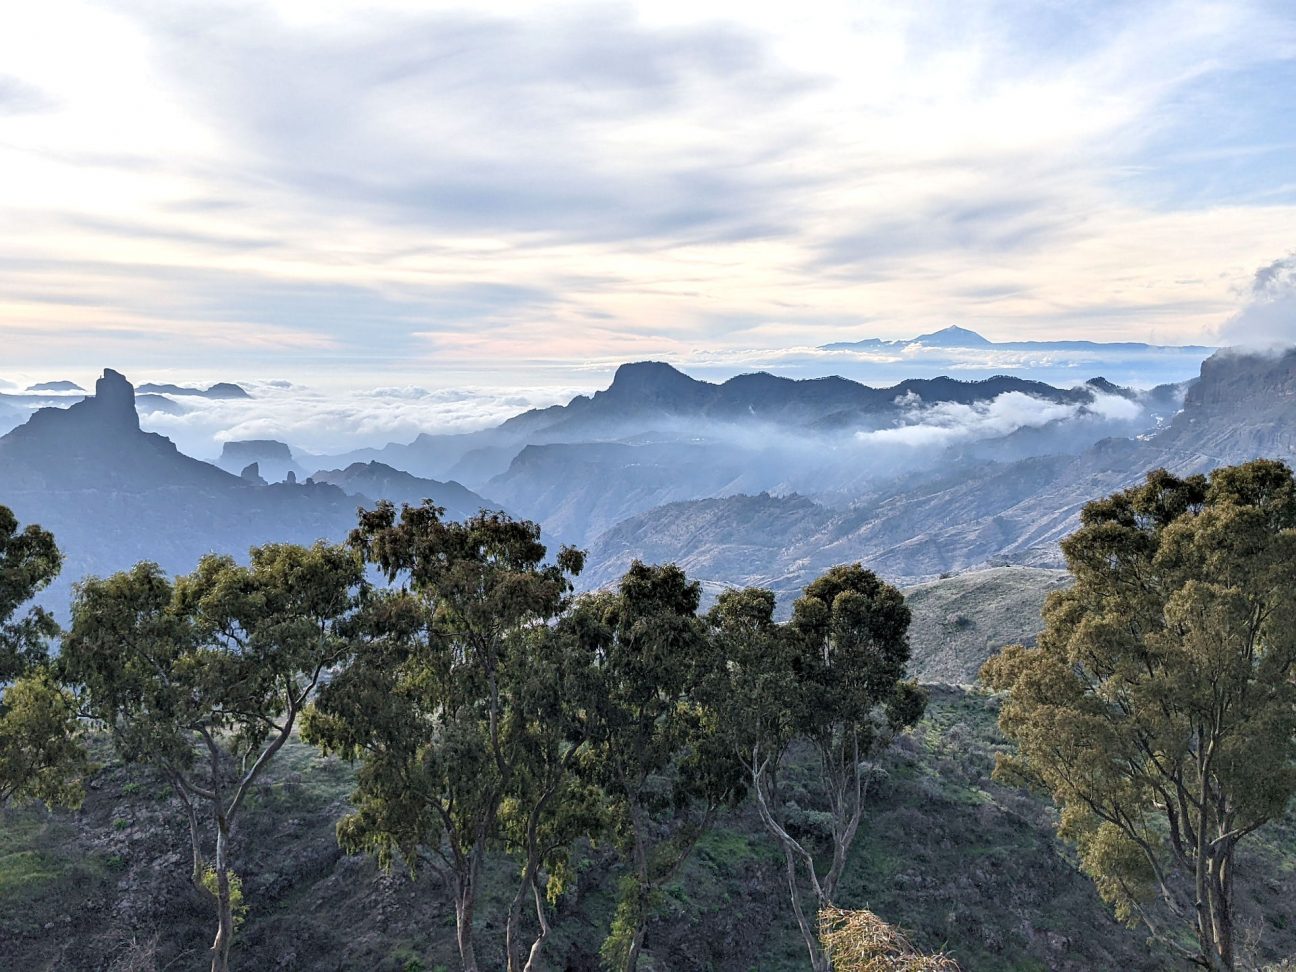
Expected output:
(526, 193)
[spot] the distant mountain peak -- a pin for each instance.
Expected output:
(97, 443)
(653, 381)
(953, 337)
(640, 372)
(220, 390)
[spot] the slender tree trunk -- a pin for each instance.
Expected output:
(224, 908)
(513, 945)
(1221, 909)
(534, 958)
(465, 906)
(636, 946)
(809, 930)
(195, 841)
(1205, 927)
(641, 887)
(513, 928)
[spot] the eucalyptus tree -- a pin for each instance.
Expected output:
(832, 679)
(550, 803)
(654, 748)
(29, 561)
(444, 706)
(204, 679)
(1159, 708)
(41, 757)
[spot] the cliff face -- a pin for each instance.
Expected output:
(1234, 379)
(1242, 407)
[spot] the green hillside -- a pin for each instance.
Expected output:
(960, 621)
(961, 861)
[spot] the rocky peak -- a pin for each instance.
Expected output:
(655, 382)
(113, 401)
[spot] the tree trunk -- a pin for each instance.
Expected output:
(538, 944)
(224, 907)
(513, 927)
(809, 929)
(641, 886)
(199, 865)
(465, 905)
(1221, 909)
(636, 946)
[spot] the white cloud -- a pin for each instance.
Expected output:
(942, 424)
(1269, 318)
(384, 189)
(338, 420)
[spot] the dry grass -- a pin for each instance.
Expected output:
(860, 941)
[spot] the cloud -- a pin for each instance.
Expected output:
(358, 189)
(1269, 318)
(942, 424)
(887, 366)
(316, 420)
(450, 120)
(18, 97)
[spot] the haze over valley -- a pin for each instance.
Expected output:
(756, 479)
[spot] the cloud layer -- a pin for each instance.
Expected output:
(395, 192)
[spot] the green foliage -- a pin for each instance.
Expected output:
(204, 679)
(29, 560)
(1159, 709)
(628, 920)
(456, 703)
(41, 756)
(655, 751)
(832, 677)
(238, 904)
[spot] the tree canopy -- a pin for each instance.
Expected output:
(833, 679)
(29, 561)
(1159, 708)
(41, 757)
(440, 704)
(203, 679)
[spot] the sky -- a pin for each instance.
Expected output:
(443, 198)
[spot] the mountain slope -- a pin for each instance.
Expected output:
(972, 511)
(373, 481)
(960, 621)
(113, 494)
(964, 863)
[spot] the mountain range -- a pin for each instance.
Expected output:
(113, 494)
(962, 338)
(972, 511)
(756, 480)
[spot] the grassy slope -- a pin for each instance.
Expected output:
(960, 621)
(962, 862)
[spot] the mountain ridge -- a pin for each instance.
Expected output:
(962, 338)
